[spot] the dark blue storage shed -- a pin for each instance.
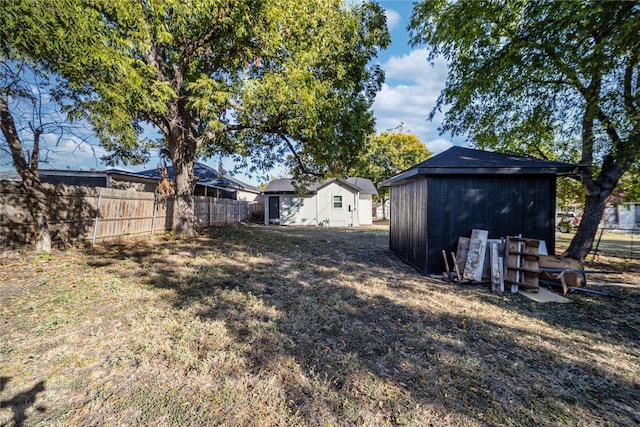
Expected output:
(448, 195)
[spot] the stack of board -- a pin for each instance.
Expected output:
(521, 263)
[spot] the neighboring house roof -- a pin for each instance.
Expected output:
(207, 177)
(88, 178)
(10, 175)
(92, 177)
(78, 175)
(286, 185)
(468, 161)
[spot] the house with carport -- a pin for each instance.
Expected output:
(337, 202)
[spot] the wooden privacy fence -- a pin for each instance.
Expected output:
(210, 210)
(93, 214)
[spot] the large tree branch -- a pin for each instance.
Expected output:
(588, 140)
(628, 95)
(154, 56)
(296, 156)
(553, 56)
(35, 154)
(608, 127)
(159, 121)
(191, 48)
(13, 140)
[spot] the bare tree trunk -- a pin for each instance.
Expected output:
(184, 219)
(596, 194)
(37, 202)
(36, 197)
(183, 156)
(582, 242)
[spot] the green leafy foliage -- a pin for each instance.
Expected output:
(258, 79)
(629, 185)
(313, 103)
(553, 79)
(387, 154)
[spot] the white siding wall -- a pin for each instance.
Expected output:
(304, 214)
(247, 195)
(364, 209)
(336, 217)
(627, 216)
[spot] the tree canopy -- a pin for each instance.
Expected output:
(555, 79)
(256, 79)
(387, 154)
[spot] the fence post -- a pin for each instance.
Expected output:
(95, 225)
(155, 212)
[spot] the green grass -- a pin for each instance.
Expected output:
(616, 244)
(261, 326)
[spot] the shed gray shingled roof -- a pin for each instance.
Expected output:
(285, 185)
(468, 161)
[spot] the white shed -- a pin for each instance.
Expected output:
(334, 203)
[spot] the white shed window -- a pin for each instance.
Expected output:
(337, 202)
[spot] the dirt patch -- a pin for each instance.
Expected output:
(254, 325)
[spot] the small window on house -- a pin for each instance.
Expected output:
(337, 202)
(295, 205)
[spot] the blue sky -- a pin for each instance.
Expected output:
(412, 85)
(407, 97)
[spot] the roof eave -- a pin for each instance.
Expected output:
(400, 177)
(277, 192)
(571, 170)
(340, 181)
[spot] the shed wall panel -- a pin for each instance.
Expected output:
(408, 219)
(504, 205)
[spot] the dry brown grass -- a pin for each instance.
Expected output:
(262, 326)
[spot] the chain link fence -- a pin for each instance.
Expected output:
(619, 243)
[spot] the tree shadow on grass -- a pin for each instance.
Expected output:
(374, 335)
(21, 401)
(605, 319)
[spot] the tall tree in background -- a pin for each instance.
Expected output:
(313, 105)
(545, 78)
(386, 155)
(251, 78)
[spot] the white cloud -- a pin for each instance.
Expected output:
(414, 67)
(439, 145)
(393, 18)
(72, 153)
(410, 93)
